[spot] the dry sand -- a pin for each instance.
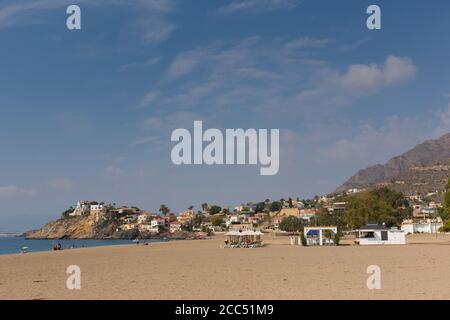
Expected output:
(203, 270)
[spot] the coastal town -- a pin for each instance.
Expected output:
(343, 212)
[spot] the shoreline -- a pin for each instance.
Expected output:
(141, 242)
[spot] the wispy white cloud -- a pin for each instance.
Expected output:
(334, 89)
(254, 73)
(13, 191)
(347, 47)
(157, 129)
(186, 62)
(113, 171)
(61, 183)
(444, 122)
(155, 27)
(307, 42)
(144, 140)
(140, 64)
(159, 5)
(256, 6)
(167, 123)
(26, 12)
(368, 144)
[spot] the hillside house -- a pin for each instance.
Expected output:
(175, 226)
(308, 214)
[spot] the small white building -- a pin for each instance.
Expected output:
(319, 236)
(97, 208)
(425, 226)
(143, 218)
(155, 223)
(82, 207)
(146, 228)
(373, 234)
(175, 226)
(233, 219)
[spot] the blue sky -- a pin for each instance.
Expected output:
(88, 114)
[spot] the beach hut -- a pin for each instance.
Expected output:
(319, 236)
(243, 239)
(373, 234)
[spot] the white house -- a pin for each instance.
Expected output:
(146, 228)
(233, 219)
(373, 234)
(81, 209)
(143, 218)
(96, 208)
(175, 226)
(157, 223)
(424, 226)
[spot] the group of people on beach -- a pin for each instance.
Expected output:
(57, 246)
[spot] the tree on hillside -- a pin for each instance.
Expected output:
(381, 205)
(444, 212)
(164, 209)
(198, 220)
(217, 221)
(324, 218)
(291, 224)
(190, 207)
(204, 206)
(215, 210)
(66, 213)
(275, 206)
(260, 206)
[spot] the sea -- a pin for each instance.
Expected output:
(10, 245)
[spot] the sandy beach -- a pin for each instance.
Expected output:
(202, 269)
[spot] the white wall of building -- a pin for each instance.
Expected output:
(421, 227)
(394, 237)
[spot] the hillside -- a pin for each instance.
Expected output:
(421, 180)
(74, 228)
(415, 167)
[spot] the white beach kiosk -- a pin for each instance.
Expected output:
(243, 239)
(373, 234)
(320, 236)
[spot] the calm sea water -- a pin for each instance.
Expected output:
(14, 245)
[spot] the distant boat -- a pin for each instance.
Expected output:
(24, 249)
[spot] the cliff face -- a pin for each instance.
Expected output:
(73, 228)
(425, 154)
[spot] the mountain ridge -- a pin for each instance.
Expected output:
(427, 153)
